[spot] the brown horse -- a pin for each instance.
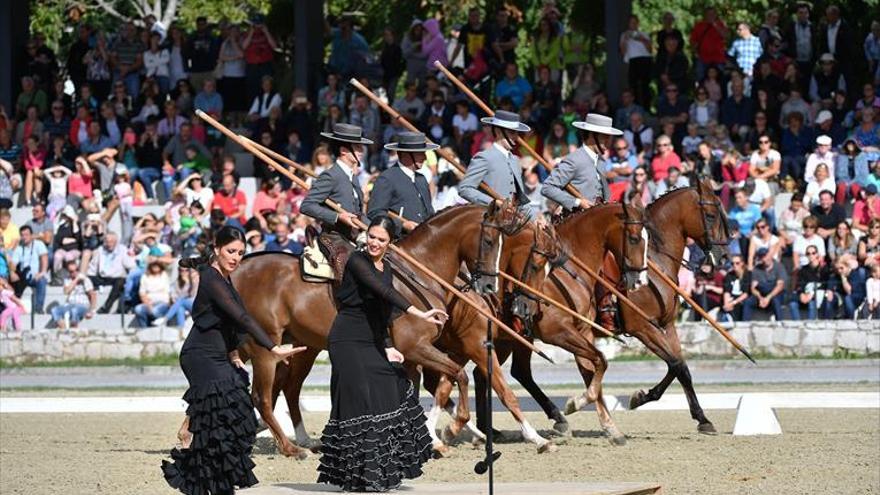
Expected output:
(695, 213)
(273, 291)
(589, 235)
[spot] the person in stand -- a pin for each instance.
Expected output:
(340, 184)
(401, 188)
(376, 435)
(497, 166)
(215, 457)
(581, 168)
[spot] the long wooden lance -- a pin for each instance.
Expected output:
(491, 192)
(571, 189)
(396, 249)
(699, 309)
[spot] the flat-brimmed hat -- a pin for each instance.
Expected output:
(411, 141)
(823, 140)
(506, 120)
(347, 133)
(596, 122)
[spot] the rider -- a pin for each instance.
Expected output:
(497, 166)
(583, 168)
(402, 189)
(340, 184)
(584, 171)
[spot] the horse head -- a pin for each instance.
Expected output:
(715, 235)
(498, 221)
(634, 248)
(546, 252)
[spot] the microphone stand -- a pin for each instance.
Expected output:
(486, 464)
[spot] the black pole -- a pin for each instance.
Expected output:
(491, 456)
(33, 307)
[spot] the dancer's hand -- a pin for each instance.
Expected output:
(285, 351)
(393, 355)
(235, 359)
(435, 316)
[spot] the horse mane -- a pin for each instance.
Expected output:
(263, 253)
(449, 210)
(571, 215)
(654, 231)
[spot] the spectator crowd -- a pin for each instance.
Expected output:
(776, 115)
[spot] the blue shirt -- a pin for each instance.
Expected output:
(290, 246)
(209, 103)
(29, 256)
(88, 147)
(746, 217)
(345, 52)
(516, 90)
(746, 51)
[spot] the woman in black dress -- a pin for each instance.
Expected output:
(376, 435)
(220, 427)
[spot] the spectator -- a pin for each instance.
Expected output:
(791, 220)
(843, 242)
(673, 109)
(765, 163)
(108, 266)
(127, 58)
(664, 159)
(433, 45)
(821, 182)
(872, 51)
(746, 49)
(869, 245)
(268, 200)
(738, 110)
(473, 37)
(209, 100)
(707, 40)
(627, 107)
(259, 46)
(410, 104)
(825, 126)
(762, 238)
(80, 298)
(464, 126)
(867, 133)
(57, 123)
(416, 60)
(439, 117)
(768, 287)
(802, 41)
(96, 141)
(265, 101)
(850, 170)
(98, 74)
(79, 183)
(30, 126)
(232, 71)
(674, 180)
(154, 293)
(638, 191)
(30, 264)
(865, 208)
(619, 169)
(40, 224)
(175, 151)
(639, 136)
(736, 288)
(34, 159)
(391, 59)
(13, 307)
(837, 39)
(703, 111)
(636, 48)
(812, 283)
(796, 143)
(231, 201)
(202, 49)
(808, 238)
(671, 66)
(514, 86)
(826, 80)
(283, 242)
(828, 214)
(504, 39)
(183, 295)
(180, 62)
(668, 29)
(871, 309)
(348, 49)
(157, 63)
(744, 212)
(849, 286)
(30, 95)
(67, 245)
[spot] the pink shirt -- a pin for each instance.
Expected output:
(660, 165)
(80, 184)
(265, 202)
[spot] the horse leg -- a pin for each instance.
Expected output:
(502, 351)
(264, 377)
(594, 395)
(684, 377)
(521, 370)
(508, 398)
(298, 369)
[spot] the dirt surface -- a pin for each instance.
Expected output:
(822, 451)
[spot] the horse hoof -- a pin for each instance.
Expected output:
(439, 450)
(562, 427)
(447, 435)
(547, 447)
(637, 399)
(707, 429)
(618, 440)
(315, 446)
(571, 406)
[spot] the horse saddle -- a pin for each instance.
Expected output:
(324, 256)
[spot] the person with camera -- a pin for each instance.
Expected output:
(80, 301)
(30, 267)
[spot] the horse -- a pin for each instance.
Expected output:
(273, 290)
(693, 212)
(588, 234)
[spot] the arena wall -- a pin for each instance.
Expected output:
(786, 339)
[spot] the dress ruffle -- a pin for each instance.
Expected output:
(224, 428)
(376, 452)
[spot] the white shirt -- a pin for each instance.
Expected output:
(465, 124)
(802, 243)
(205, 197)
(350, 173)
(263, 104)
(815, 159)
(504, 151)
(409, 172)
(156, 64)
(764, 162)
(761, 192)
(633, 48)
(811, 196)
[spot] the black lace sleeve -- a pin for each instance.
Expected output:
(363, 273)
(220, 292)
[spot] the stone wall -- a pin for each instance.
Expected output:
(785, 339)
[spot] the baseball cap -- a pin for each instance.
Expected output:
(762, 252)
(823, 140)
(871, 189)
(823, 116)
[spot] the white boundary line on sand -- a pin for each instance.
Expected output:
(321, 403)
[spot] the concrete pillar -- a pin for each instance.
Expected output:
(14, 22)
(308, 58)
(617, 13)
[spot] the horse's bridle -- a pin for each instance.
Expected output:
(555, 259)
(629, 240)
(709, 222)
(509, 230)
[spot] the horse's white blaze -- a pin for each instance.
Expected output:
(643, 275)
(431, 423)
(530, 434)
(498, 259)
(302, 436)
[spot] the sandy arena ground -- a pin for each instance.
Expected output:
(822, 451)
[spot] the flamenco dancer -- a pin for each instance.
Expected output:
(220, 427)
(376, 435)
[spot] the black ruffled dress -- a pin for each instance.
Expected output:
(221, 413)
(376, 435)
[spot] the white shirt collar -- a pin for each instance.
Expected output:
(592, 154)
(408, 171)
(504, 151)
(345, 168)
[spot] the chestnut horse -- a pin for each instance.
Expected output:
(273, 291)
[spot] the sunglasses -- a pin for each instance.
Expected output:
(764, 141)
(812, 253)
(621, 148)
(811, 227)
(663, 145)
